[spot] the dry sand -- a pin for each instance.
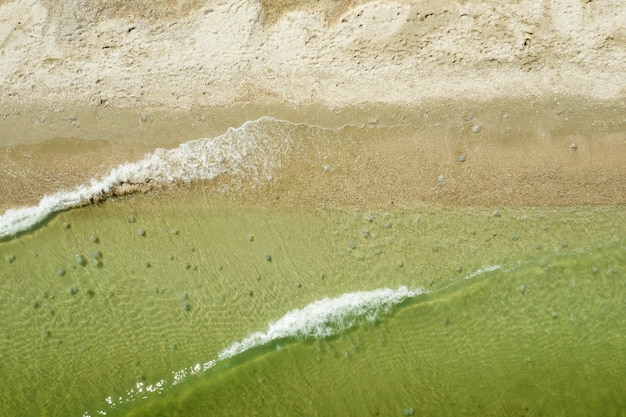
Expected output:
(76, 77)
(191, 54)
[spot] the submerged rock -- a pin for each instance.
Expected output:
(408, 411)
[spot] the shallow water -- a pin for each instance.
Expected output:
(545, 339)
(523, 311)
(246, 282)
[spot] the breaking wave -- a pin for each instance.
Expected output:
(249, 153)
(320, 319)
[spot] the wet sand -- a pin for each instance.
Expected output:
(86, 88)
(557, 152)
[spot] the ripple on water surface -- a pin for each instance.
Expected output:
(94, 308)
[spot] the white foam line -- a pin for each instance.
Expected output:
(325, 317)
(320, 319)
(489, 268)
(250, 151)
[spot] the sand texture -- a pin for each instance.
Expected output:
(192, 53)
(88, 85)
(192, 171)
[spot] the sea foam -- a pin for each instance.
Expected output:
(248, 153)
(326, 317)
(320, 319)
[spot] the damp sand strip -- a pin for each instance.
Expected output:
(513, 152)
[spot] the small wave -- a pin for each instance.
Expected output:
(489, 268)
(248, 153)
(320, 319)
(325, 318)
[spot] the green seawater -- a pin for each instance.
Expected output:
(547, 339)
(101, 302)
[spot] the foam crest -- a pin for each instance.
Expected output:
(325, 317)
(249, 153)
(483, 270)
(320, 319)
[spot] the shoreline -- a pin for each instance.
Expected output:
(193, 171)
(565, 151)
(87, 89)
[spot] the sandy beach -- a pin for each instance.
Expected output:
(87, 87)
(193, 54)
(319, 207)
(567, 152)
